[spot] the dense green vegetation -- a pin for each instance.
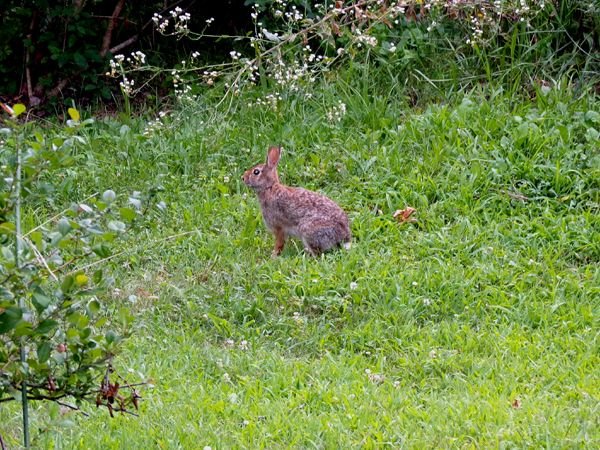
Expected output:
(474, 327)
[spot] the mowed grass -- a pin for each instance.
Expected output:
(475, 327)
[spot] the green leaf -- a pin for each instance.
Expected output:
(7, 228)
(127, 214)
(81, 62)
(93, 307)
(7, 254)
(71, 334)
(102, 250)
(125, 316)
(67, 283)
(46, 326)
(9, 318)
(592, 116)
(98, 275)
(85, 333)
(110, 337)
(5, 294)
(43, 351)
(23, 328)
(64, 226)
(55, 238)
(78, 319)
(40, 300)
(37, 238)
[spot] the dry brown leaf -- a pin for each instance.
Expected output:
(404, 215)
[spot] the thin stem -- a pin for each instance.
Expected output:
(22, 350)
(137, 247)
(73, 407)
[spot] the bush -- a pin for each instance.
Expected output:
(58, 332)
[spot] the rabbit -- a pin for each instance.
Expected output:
(293, 211)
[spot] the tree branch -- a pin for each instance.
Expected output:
(60, 86)
(111, 26)
(33, 100)
(124, 44)
(37, 397)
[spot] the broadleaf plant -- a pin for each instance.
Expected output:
(56, 339)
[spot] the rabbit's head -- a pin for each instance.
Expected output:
(264, 176)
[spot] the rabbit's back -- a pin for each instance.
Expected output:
(298, 211)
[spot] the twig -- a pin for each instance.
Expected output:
(51, 219)
(73, 407)
(129, 385)
(515, 195)
(121, 410)
(40, 258)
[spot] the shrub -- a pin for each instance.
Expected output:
(57, 336)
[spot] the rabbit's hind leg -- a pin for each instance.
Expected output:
(279, 242)
(319, 240)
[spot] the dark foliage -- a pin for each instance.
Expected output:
(60, 49)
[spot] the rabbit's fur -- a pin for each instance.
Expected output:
(293, 211)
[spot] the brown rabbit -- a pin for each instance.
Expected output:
(293, 211)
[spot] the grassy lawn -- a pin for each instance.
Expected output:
(475, 327)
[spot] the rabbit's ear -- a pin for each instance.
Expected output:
(273, 156)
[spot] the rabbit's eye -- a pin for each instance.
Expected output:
(256, 172)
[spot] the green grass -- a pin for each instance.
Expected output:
(421, 336)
